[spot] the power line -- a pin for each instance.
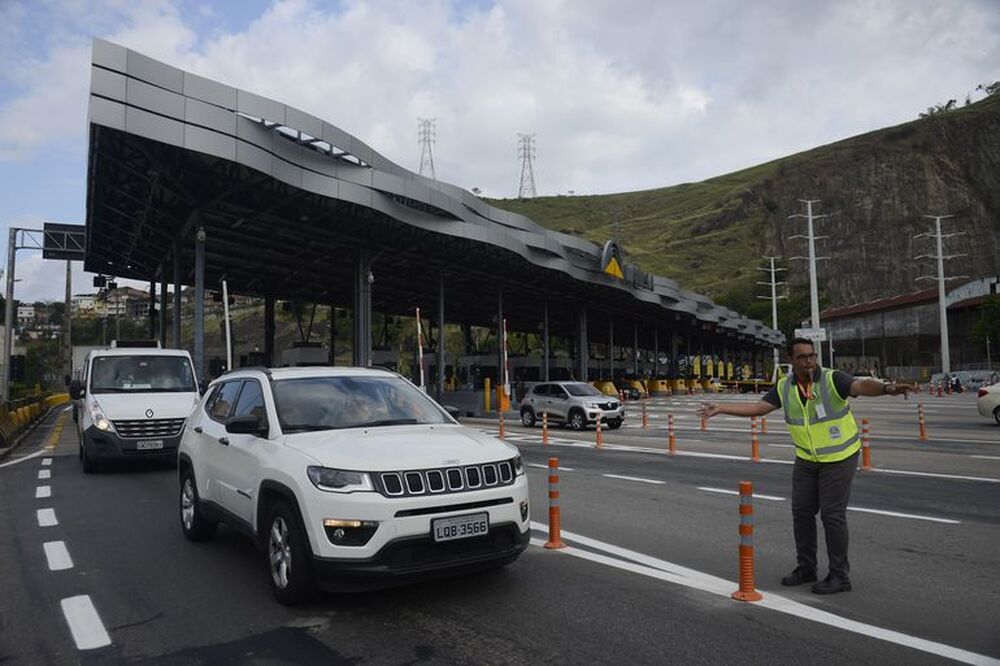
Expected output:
(426, 135)
(526, 151)
(774, 303)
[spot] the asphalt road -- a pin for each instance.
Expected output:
(645, 579)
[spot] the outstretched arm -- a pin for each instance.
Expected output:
(872, 386)
(760, 408)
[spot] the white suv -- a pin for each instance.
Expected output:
(348, 478)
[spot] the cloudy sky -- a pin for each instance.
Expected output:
(621, 94)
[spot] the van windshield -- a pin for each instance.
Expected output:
(141, 374)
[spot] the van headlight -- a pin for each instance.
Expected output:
(100, 421)
(339, 480)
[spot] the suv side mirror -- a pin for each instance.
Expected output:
(246, 425)
(76, 389)
(453, 411)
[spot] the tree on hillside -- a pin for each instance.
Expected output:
(988, 323)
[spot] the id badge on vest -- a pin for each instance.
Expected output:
(820, 411)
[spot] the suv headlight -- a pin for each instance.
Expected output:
(100, 421)
(517, 465)
(339, 480)
(594, 405)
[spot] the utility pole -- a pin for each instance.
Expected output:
(426, 135)
(526, 151)
(940, 257)
(774, 303)
(813, 289)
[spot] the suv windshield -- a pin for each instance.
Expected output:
(581, 389)
(141, 374)
(328, 403)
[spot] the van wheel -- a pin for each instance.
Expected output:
(527, 417)
(577, 421)
(287, 555)
(194, 525)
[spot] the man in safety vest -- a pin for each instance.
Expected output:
(827, 442)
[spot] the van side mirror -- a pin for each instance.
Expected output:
(246, 425)
(76, 389)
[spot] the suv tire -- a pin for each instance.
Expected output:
(996, 415)
(287, 555)
(614, 424)
(193, 523)
(577, 420)
(527, 417)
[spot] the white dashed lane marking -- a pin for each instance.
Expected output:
(46, 462)
(84, 623)
(561, 469)
(735, 492)
(47, 518)
(57, 555)
(41, 492)
(895, 514)
(44, 474)
(634, 478)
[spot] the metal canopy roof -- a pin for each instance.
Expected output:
(288, 200)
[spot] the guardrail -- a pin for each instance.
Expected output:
(17, 416)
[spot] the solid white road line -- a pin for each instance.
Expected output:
(634, 478)
(905, 515)
(84, 622)
(41, 492)
(22, 458)
(46, 462)
(561, 469)
(736, 492)
(47, 517)
(45, 474)
(938, 476)
(673, 573)
(57, 555)
(986, 457)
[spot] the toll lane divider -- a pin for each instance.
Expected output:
(651, 567)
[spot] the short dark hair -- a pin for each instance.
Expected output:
(800, 341)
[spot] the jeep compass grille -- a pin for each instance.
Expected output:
(149, 428)
(412, 483)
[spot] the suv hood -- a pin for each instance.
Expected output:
(122, 406)
(391, 448)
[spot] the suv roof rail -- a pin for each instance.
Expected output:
(135, 344)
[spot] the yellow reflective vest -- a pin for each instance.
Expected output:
(823, 428)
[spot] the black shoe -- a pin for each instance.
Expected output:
(832, 584)
(799, 576)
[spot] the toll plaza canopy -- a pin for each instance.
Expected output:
(193, 181)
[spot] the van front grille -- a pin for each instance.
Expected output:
(148, 428)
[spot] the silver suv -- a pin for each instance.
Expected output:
(575, 403)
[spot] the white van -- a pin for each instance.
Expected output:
(132, 402)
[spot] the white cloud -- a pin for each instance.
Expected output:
(621, 96)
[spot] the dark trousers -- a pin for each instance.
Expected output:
(823, 487)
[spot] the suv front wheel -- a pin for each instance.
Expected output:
(194, 525)
(577, 420)
(287, 555)
(527, 417)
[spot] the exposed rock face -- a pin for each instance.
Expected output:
(874, 188)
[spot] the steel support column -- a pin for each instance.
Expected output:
(269, 330)
(152, 309)
(176, 321)
(545, 340)
(583, 348)
(635, 348)
(656, 352)
(162, 312)
(363, 279)
(441, 338)
(500, 365)
(332, 357)
(199, 303)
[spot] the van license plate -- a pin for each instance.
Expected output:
(460, 527)
(147, 444)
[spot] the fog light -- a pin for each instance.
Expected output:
(524, 511)
(349, 532)
(338, 533)
(337, 522)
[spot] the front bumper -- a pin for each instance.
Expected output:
(103, 445)
(411, 559)
(605, 415)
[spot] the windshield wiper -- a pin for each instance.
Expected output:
(386, 422)
(302, 427)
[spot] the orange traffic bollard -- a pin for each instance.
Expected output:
(545, 427)
(671, 440)
(747, 591)
(939, 390)
(920, 419)
(598, 438)
(645, 416)
(866, 455)
(763, 425)
(500, 413)
(555, 517)
(754, 444)
(704, 423)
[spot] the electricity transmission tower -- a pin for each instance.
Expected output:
(526, 151)
(941, 257)
(426, 135)
(813, 289)
(774, 303)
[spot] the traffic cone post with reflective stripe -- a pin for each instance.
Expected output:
(920, 420)
(545, 427)
(866, 454)
(747, 591)
(500, 413)
(645, 416)
(671, 439)
(555, 517)
(598, 437)
(754, 444)
(763, 425)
